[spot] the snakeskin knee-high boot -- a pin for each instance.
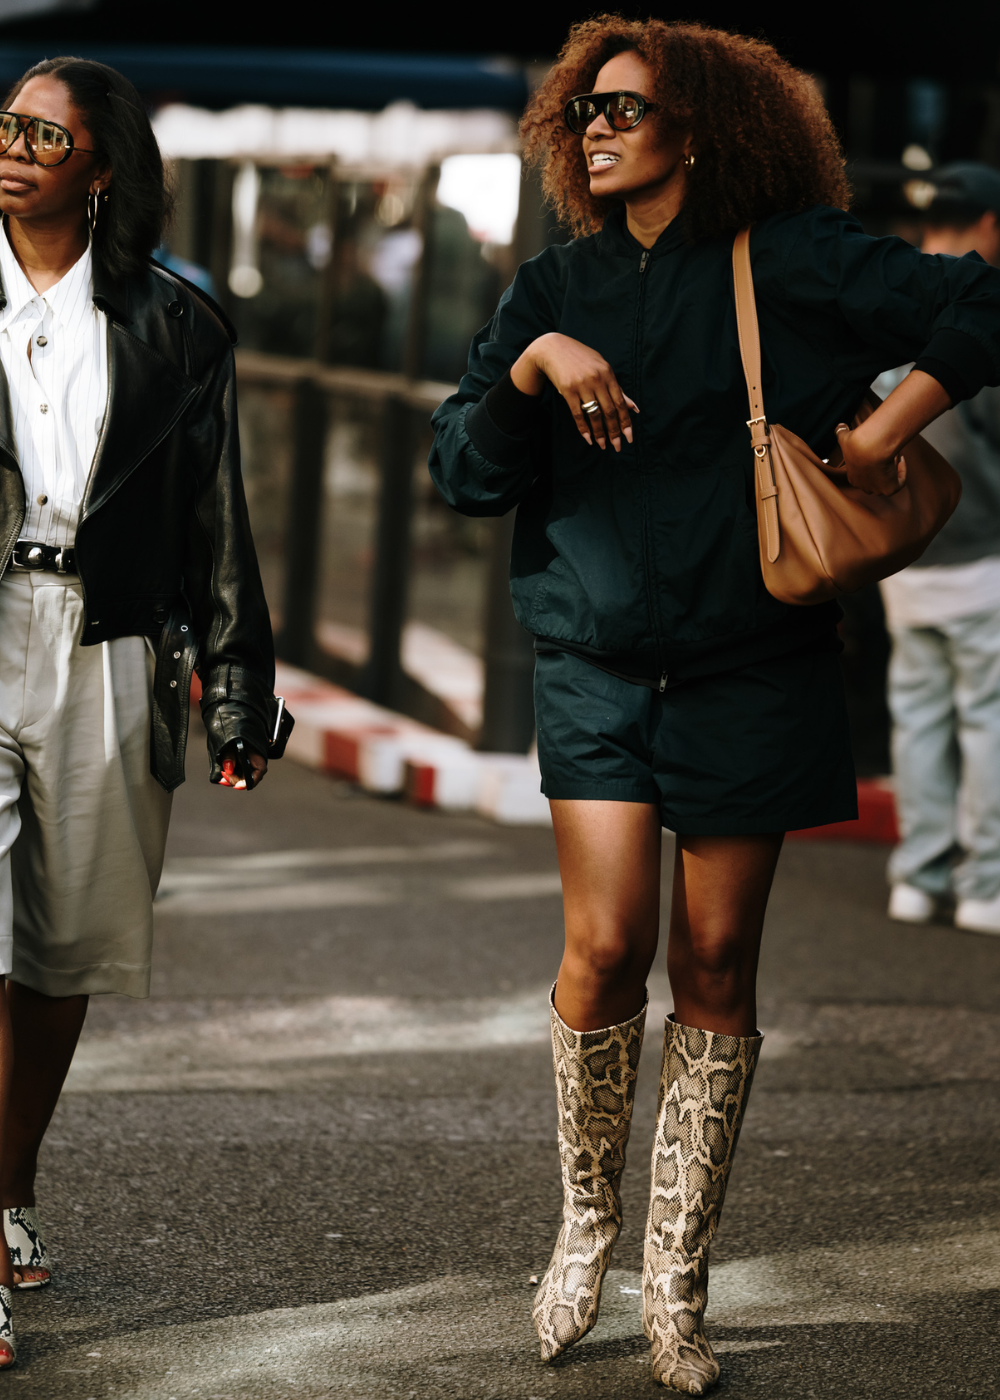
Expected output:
(704, 1088)
(595, 1089)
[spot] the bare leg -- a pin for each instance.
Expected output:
(721, 888)
(609, 859)
(45, 1033)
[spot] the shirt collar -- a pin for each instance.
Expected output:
(63, 299)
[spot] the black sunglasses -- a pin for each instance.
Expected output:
(47, 143)
(623, 110)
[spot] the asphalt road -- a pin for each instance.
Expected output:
(320, 1160)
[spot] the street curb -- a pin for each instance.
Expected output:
(341, 733)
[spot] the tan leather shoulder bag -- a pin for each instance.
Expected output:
(818, 535)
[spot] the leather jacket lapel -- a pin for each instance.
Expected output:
(12, 502)
(146, 397)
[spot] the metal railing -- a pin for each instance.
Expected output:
(403, 406)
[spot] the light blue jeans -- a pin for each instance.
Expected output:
(944, 697)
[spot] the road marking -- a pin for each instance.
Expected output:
(267, 1047)
(229, 891)
(536, 885)
(270, 898)
(200, 872)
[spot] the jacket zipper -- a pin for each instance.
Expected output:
(650, 571)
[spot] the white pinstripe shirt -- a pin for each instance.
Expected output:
(58, 397)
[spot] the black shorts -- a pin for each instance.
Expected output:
(759, 749)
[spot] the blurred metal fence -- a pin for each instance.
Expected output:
(357, 550)
(337, 486)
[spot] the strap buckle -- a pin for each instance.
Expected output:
(759, 448)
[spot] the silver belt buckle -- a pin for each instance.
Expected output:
(34, 560)
(61, 565)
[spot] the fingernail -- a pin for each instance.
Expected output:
(616, 443)
(628, 434)
(588, 439)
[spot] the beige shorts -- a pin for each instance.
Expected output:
(83, 824)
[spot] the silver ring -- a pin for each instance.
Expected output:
(592, 407)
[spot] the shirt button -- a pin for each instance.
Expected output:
(42, 500)
(42, 340)
(44, 407)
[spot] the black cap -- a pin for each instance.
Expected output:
(964, 190)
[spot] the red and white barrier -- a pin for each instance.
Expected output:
(337, 732)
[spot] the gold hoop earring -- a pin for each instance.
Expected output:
(689, 160)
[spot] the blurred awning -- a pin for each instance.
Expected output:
(223, 77)
(400, 136)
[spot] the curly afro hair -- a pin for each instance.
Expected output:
(761, 134)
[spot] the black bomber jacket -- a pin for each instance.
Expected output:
(646, 563)
(163, 542)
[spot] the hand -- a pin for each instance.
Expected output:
(873, 451)
(867, 468)
(581, 375)
(229, 777)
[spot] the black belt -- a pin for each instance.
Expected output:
(55, 559)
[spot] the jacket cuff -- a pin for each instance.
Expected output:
(958, 362)
(500, 448)
(510, 410)
(234, 705)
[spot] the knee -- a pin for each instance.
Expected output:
(710, 957)
(607, 957)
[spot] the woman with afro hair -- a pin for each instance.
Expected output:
(606, 401)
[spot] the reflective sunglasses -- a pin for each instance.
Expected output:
(623, 110)
(47, 143)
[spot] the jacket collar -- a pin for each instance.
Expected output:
(615, 237)
(112, 294)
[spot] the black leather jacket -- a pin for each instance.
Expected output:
(163, 544)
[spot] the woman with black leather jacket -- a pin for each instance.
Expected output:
(607, 402)
(126, 561)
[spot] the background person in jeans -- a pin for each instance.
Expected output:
(944, 617)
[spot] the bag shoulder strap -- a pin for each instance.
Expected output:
(749, 335)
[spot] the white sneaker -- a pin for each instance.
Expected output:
(979, 915)
(912, 906)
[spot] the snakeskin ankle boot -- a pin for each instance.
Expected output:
(704, 1088)
(595, 1089)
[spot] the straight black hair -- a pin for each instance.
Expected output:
(131, 223)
